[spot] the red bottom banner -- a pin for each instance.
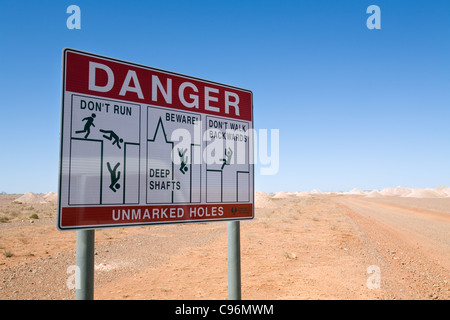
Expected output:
(109, 216)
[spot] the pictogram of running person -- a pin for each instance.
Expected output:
(113, 137)
(87, 126)
(115, 176)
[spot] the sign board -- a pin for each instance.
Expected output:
(142, 146)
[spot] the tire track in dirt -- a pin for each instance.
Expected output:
(413, 245)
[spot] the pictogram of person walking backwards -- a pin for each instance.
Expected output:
(227, 161)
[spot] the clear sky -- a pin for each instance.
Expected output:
(354, 107)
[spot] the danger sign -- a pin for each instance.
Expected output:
(144, 146)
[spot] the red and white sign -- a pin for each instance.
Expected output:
(144, 146)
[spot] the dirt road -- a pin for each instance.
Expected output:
(316, 247)
(412, 244)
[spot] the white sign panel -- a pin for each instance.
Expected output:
(144, 146)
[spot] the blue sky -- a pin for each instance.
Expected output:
(354, 107)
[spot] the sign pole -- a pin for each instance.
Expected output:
(84, 282)
(234, 260)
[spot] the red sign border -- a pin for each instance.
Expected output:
(228, 217)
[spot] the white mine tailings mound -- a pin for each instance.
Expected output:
(439, 192)
(266, 200)
(355, 191)
(374, 194)
(280, 195)
(32, 198)
(50, 197)
(302, 194)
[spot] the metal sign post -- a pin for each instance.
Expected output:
(234, 260)
(85, 265)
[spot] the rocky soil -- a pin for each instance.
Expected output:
(299, 246)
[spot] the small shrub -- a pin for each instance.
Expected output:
(4, 219)
(7, 253)
(34, 216)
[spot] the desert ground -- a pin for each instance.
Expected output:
(388, 244)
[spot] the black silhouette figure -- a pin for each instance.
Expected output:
(87, 126)
(183, 167)
(227, 161)
(115, 176)
(113, 137)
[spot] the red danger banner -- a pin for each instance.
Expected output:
(111, 79)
